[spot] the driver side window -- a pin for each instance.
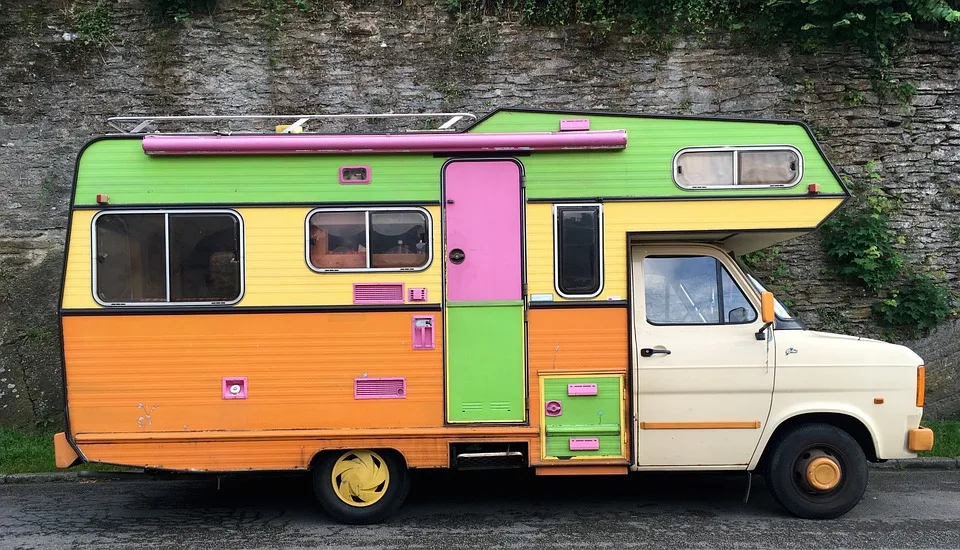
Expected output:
(692, 290)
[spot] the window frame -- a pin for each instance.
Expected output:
(719, 277)
(736, 150)
(167, 212)
(368, 210)
(556, 248)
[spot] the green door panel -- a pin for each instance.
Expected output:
(485, 374)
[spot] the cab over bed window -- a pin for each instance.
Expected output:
(579, 254)
(167, 257)
(692, 290)
(761, 166)
(368, 240)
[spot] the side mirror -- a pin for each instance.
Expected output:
(766, 307)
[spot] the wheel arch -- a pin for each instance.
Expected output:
(322, 453)
(853, 425)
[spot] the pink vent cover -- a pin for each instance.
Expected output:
(581, 389)
(574, 124)
(380, 388)
(586, 444)
(378, 293)
(417, 294)
(234, 387)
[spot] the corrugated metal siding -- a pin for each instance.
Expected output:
(276, 267)
(644, 168)
(620, 218)
(157, 373)
(119, 168)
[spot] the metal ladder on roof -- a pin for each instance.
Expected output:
(142, 124)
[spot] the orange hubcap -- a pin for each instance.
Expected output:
(823, 473)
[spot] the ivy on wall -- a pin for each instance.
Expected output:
(861, 247)
(880, 28)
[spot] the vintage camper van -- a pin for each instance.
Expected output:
(552, 290)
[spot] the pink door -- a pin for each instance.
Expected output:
(482, 229)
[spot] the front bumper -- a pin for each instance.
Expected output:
(920, 439)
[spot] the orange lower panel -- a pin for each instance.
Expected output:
(248, 452)
(164, 373)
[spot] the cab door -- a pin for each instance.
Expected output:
(704, 382)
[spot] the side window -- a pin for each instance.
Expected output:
(579, 258)
(757, 166)
(374, 240)
(692, 290)
(167, 257)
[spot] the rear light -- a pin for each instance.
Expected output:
(921, 385)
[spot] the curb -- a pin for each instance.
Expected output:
(72, 477)
(923, 463)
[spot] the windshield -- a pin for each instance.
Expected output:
(778, 308)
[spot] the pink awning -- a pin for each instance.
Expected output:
(283, 144)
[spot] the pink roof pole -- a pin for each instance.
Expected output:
(283, 144)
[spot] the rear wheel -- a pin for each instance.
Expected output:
(817, 471)
(361, 486)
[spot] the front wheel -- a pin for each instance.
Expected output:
(361, 486)
(817, 471)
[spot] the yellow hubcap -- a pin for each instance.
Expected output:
(823, 473)
(360, 478)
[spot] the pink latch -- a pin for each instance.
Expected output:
(423, 332)
(553, 408)
(591, 444)
(581, 389)
(234, 387)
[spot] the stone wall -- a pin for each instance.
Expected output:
(411, 56)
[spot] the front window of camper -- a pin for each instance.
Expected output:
(579, 254)
(389, 239)
(730, 167)
(167, 257)
(692, 290)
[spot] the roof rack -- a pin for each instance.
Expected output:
(140, 124)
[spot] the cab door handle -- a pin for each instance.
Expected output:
(648, 352)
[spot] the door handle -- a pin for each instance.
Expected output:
(457, 256)
(648, 352)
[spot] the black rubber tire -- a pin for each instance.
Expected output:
(789, 491)
(396, 493)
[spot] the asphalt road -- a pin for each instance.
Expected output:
(902, 509)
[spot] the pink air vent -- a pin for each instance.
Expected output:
(378, 293)
(581, 389)
(574, 124)
(417, 294)
(380, 388)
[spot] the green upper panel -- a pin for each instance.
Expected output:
(119, 168)
(645, 167)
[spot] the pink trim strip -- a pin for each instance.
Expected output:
(400, 143)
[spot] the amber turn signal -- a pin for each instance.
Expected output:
(921, 385)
